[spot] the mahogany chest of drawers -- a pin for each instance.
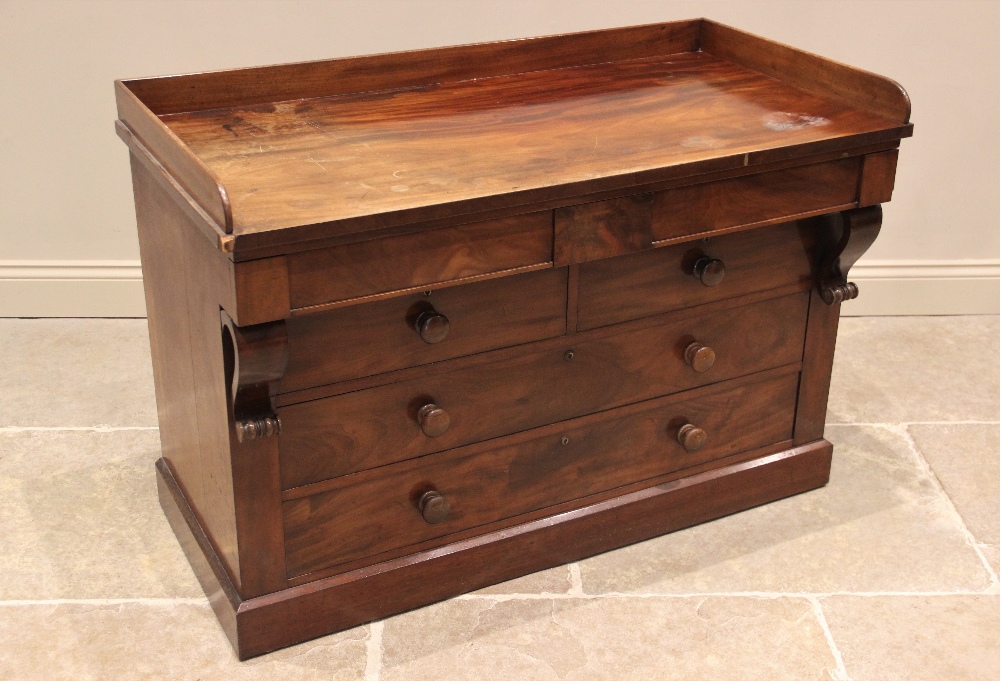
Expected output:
(423, 322)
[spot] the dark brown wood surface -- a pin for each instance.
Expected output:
(326, 438)
(810, 72)
(601, 229)
(335, 159)
(538, 299)
(190, 173)
(878, 177)
(817, 368)
(421, 259)
(782, 194)
(375, 511)
(343, 601)
(183, 281)
(262, 290)
(661, 280)
(186, 282)
(372, 338)
(399, 70)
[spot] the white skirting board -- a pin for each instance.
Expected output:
(924, 287)
(71, 288)
(113, 288)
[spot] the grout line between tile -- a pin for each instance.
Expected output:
(374, 651)
(112, 429)
(970, 539)
(89, 429)
(575, 580)
(719, 594)
(570, 595)
(840, 674)
(106, 601)
(917, 423)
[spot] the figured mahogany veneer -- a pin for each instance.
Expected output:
(470, 312)
(376, 510)
(325, 438)
(664, 279)
(383, 335)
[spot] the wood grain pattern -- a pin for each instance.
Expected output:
(397, 70)
(262, 291)
(325, 235)
(592, 231)
(411, 154)
(186, 282)
(326, 438)
(193, 210)
(344, 601)
(661, 280)
(374, 511)
(421, 259)
(863, 89)
(187, 169)
(373, 338)
(878, 176)
(755, 198)
(817, 368)
(482, 310)
(183, 283)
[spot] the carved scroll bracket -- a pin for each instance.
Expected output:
(255, 360)
(845, 238)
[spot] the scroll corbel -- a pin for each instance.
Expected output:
(255, 360)
(847, 236)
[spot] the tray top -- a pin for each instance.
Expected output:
(363, 161)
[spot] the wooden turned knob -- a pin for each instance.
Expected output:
(699, 357)
(433, 420)
(691, 437)
(710, 271)
(433, 507)
(432, 326)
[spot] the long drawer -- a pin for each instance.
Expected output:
(377, 511)
(410, 330)
(664, 279)
(446, 408)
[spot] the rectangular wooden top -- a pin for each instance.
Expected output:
(377, 142)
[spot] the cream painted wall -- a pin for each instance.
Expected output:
(65, 192)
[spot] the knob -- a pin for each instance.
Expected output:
(691, 437)
(699, 357)
(710, 271)
(432, 326)
(433, 507)
(433, 420)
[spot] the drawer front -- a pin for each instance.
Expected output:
(339, 435)
(775, 195)
(385, 335)
(377, 511)
(663, 279)
(429, 258)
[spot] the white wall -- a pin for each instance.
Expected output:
(67, 231)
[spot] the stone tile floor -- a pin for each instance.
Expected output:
(889, 572)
